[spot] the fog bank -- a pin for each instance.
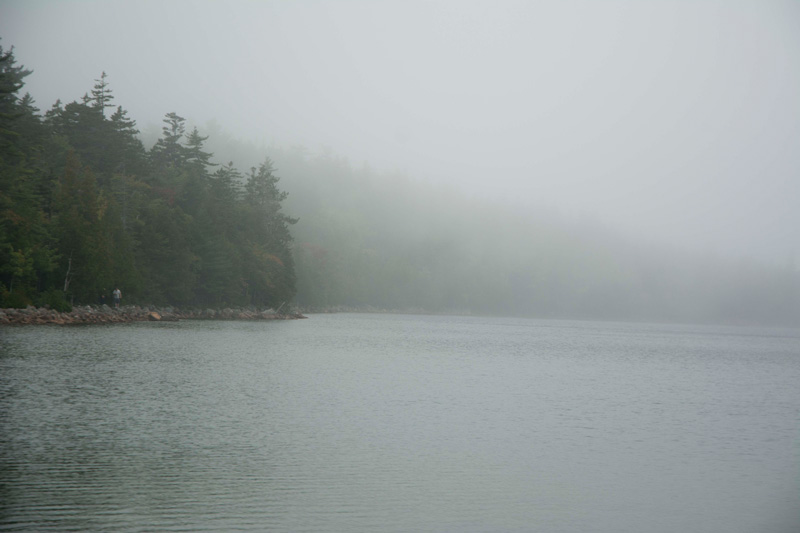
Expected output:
(677, 122)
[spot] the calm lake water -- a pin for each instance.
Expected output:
(400, 423)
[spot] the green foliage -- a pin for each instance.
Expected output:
(85, 208)
(15, 300)
(54, 299)
(11, 81)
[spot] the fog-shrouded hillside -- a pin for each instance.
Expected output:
(368, 239)
(195, 216)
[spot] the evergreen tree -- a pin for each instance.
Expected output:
(101, 95)
(168, 151)
(195, 155)
(87, 132)
(11, 81)
(228, 182)
(128, 150)
(194, 179)
(27, 256)
(269, 264)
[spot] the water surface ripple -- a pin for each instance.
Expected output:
(399, 423)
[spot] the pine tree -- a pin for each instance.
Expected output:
(268, 264)
(11, 81)
(27, 257)
(168, 150)
(194, 150)
(101, 95)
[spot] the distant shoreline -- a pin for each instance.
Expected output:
(103, 314)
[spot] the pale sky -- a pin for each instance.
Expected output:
(674, 121)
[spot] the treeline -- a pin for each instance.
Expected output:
(85, 208)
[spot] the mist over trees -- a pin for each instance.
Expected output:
(85, 207)
(375, 240)
(386, 241)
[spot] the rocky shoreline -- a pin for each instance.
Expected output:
(103, 314)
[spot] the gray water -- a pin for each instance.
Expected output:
(400, 423)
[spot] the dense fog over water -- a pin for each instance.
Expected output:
(677, 122)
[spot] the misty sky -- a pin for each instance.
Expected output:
(676, 121)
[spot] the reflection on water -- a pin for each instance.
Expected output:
(399, 423)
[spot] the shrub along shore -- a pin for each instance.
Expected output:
(104, 314)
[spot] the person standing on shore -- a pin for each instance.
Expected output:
(117, 297)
